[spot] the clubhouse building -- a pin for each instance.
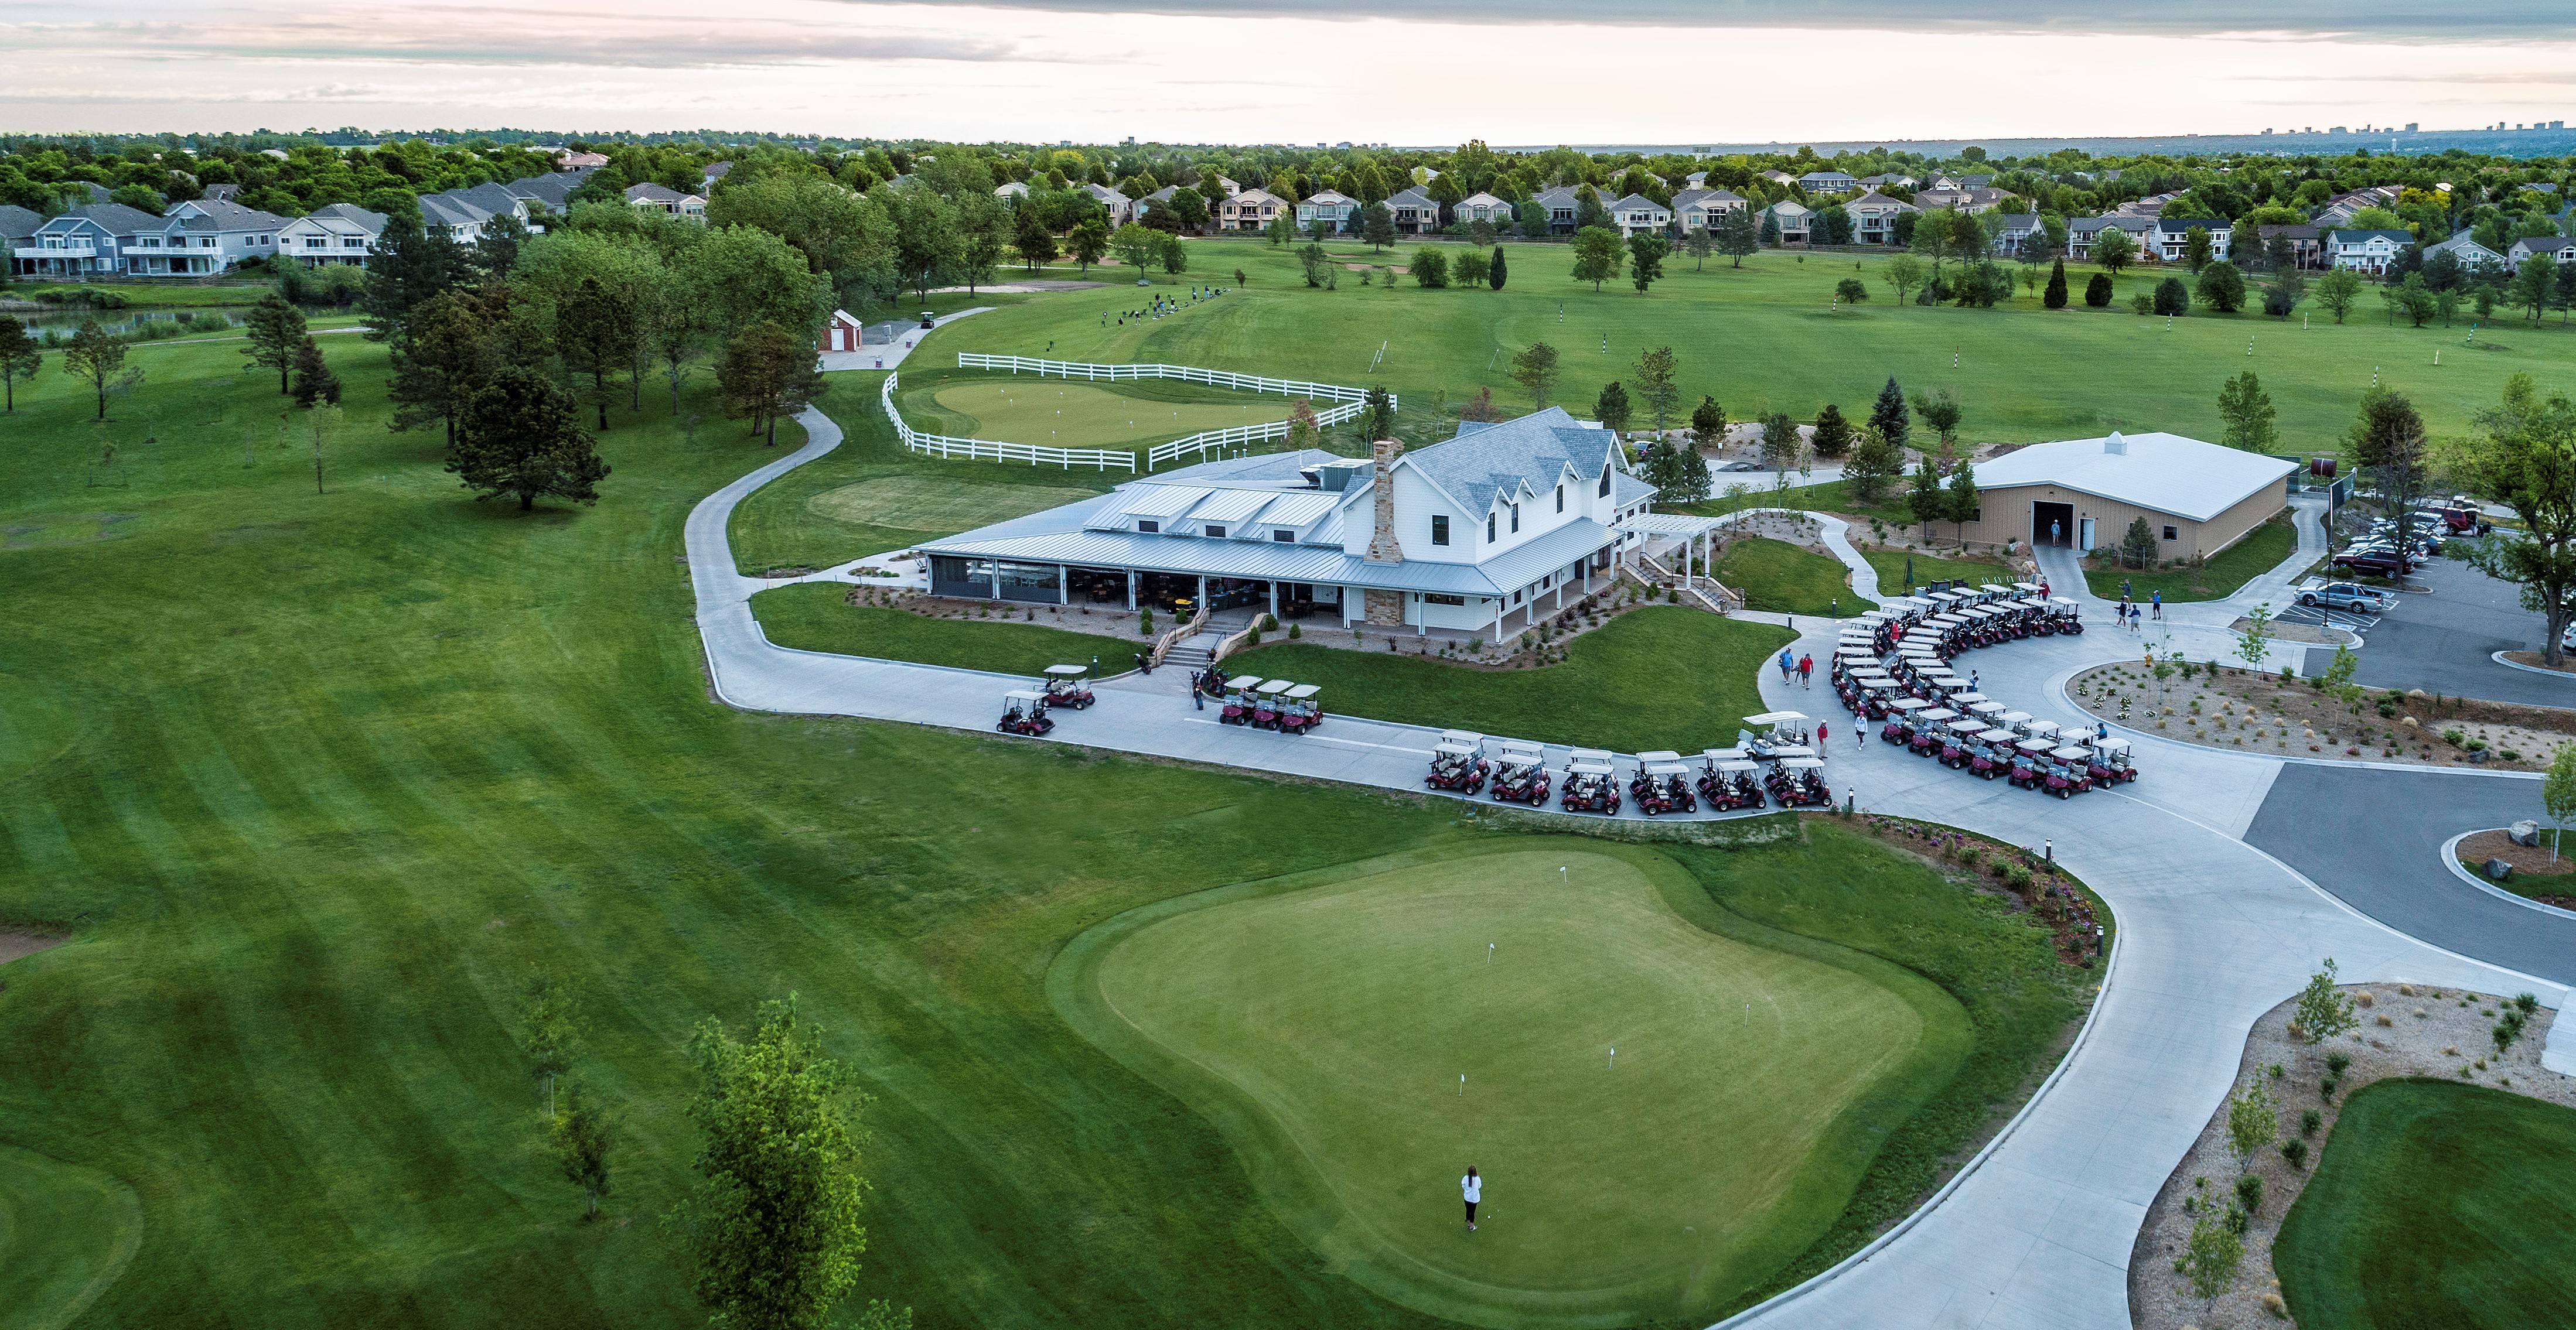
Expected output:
(2198, 498)
(1486, 532)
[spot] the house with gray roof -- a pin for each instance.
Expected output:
(1415, 212)
(18, 228)
(1637, 215)
(2171, 236)
(2561, 249)
(2080, 232)
(662, 198)
(1827, 182)
(333, 235)
(1704, 209)
(1485, 533)
(1329, 209)
(1122, 209)
(1560, 205)
(196, 239)
(1874, 217)
(2468, 251)
(2013, 230)
(2367, 251)
(1483, 207)
(459, 221)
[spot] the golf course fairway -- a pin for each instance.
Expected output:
(1324, 1022)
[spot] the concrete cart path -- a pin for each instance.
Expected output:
(2038, 1231)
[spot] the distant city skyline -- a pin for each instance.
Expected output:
(1256, 72)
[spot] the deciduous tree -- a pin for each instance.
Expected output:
(2324, 1010)
(1032, 240)
(1962, 502)
(2525, 455)
(1429, 267)
(97, 356)
(2247, 409)
(1655, 372)
(1941, 410)
(2221, 287)
(2113, 249)
(2195, 248)
(1851, 290)
(1088, 240)
(582, 1136)
(1597, 255)
(1737, 235)
(2339, 291)
(1534, 369)
(766, 372)
(1905, 273)
(1646, 259)
(519, 436)
(596, 329)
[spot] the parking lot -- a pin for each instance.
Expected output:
(2440, 639)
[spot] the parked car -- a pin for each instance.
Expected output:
(1743, 466)
(2386, 562)
(2350, 597)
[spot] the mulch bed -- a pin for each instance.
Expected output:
(2321, 726)
(2532, 659)
(2529, 861)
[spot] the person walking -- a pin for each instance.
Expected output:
(2137, 621)
(1806, 671)
(1474, 1187)
(1197, 699)
(2157, 599)
(1972, 682)
(1860, 735)
(1788, 663)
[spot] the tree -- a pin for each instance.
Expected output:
(441, 355)
(1646, 259)
(408, 266)
(1941, 411)
(1983, 284)
(2558, 795)
(1780, 444)
(928, 237)
(1087, 242)
(1905, 273)
(2287, 288)
(1135, 244)
(1699, 244)
(2211, 1259)
(273, 330)
(1925, 500)
(2534, 283)
(2412, 297)
(1833, 437)
(1737, 236)
(596, 329)
(2253, 1123)
(2113, 249)
(2324, 1010)
(1597, 255)
(1611, 408)
(767, 372)
(2524, 456)
(20, 359)
(1874, 462)
(1032, 240)
(2098, 291)
(2171, 298)
(2247, 409)
(1494, 273)
(1851, 290)
(1535, 370)
(2563, 295)
(1429, 268)
(1377, 226)
(1708, 424)
(97, 356)
(1191, 207)
(2055, 296)
(1963, 504)
(773, 1220)
(1655, 386)
(2138, 545)
(314, 381)
(1377, 414)
(2195, 248)
(2339, 291)
(1889, 417)
(1835, 222)
(2388, 438)
(581, 1134)
(1315, 262)
(1174, 255)
(2255, 645)
(2222, 287)
(520, 436)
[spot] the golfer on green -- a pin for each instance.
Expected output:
(1474, 1187)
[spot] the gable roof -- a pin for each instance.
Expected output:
(2346, 237)
(2462, 245)
(1480, 199)
(228, 216)
(2165, 473)
(648, 192)
(114, 218)
(1637, 201)
(1106, 195)
(17, 222)
(2179, 225)
(1875, 200)
(1411, 196)
(440, 210)
(1327, 198)
(1484, 462)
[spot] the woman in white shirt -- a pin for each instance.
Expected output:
(1474, 1187)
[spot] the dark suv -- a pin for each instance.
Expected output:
(2387, 563)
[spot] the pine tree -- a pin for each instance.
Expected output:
(21, 357)
(274, 331)
(1708, 423)
(1891, 417)
(314, 380)
(2247, 409)
(1926, 500)
(521, 436)
(2098, 292)
(2055, 296)
(1833, 432)
(1494, 269)
(1611, 408)
(1874, 462)
(1736, 235)
(1963, 503)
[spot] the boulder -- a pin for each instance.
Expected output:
(2525, 832)
(2499, 870)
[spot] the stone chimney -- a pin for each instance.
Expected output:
(1382, 546)
(2115, 445)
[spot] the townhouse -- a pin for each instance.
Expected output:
(651, 197)
(1827, 183)
(333, 235)
(199, 238)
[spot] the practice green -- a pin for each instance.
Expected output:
(1082, 415)
(938, 505)
(1338, 1016)
(66, 1233)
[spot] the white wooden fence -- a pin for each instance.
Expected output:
(1351, 401)
(943, 445)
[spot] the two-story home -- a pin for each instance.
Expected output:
(1249, 210)
(1889, 181)
(1827, 183)
(1483, 207)
(2307, 243)
(1557, 207)
(1795, 220)
(454, 218)
(1637, 215)
(1780, 177)
(1416, 213)
(1483, 534)
(1011, 191)
(2013, 230)
(1704, 209)
(1122, 209)
(2080, 233)
(2468, 251)
(1874, 217)
(199, 238)
(18, 228)
(568, 160)
(651, 197)
(2340, 209)
(2366, 251)
(2172, 235)
(333, 235)
(1330, 209)
(1966, 198)
(2560, 248)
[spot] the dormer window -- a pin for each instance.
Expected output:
(1605, 480)
(1215, 532)
(1284, 537)
(1148, 525)
(1516, 518)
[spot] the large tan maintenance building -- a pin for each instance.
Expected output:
(2198, 498)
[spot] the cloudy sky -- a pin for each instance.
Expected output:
(1427, 71)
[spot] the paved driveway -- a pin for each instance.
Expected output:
(2442, 641)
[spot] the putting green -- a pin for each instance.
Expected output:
(1324, 1023)
(936, 504)
(1085, 415)
(66, 1233)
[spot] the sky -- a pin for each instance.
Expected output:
(1425, 72)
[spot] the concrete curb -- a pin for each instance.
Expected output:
(2498, 658)
(2451, 860)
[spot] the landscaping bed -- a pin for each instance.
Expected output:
(2259, 712)
(2404, 1031)
(2551, 881)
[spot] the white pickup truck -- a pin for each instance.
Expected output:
(2349, 597)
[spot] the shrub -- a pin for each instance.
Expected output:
(2296, 1151)
(1145, 621)
(2017, 877)
(2249, 1190)
(1293, 633)
(2338, 1061)
(2309, 1121)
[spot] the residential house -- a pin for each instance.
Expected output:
(18, 228)
(2152, 205)
(2173, 234)
(1416, 213)
(1559, 206)
(459, 221)
(1013, 190)
(2560, 248)
(1874, 217)
(223, 193)
(1638, 215)
(714, 172)
(2081, 231)
(1891, 181)
(2307, 243)
(568, 160)
(1827, 183)
(2469, 252)
(1704, 209)
(1330, 209)
(662, 198)
(1695, 180)
(1122, 209)
(1486, 533)
(1226, 187)
(1249, 210)
(333, 235)
(2340, 209)
(1780, 177)
(1482, 207)
(1963, 199)
(546, 195)
(196, 239)
(2367, 251)
(2012, 230)
(1796, 220)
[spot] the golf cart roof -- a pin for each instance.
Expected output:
(1735, 767)
(2061, 600)
(1275, 687)
(1666, 769)
(1793, 750)
(1774, 718)
(1456, 749)
(1243, 682)
(1659, 755)
(1907, 704)
(1023, 695)
(1587, 767)
(1461, 737)
(1995, 736)
(2026, 588)
(1305, 690)
(2042, 729)
(2014, 718)
(2110, 746)
(1983, 707)
(1968, 701)
(2035, 747)
(2072, 753)
(1802, 764)
(1067, 671)
(1937, 713)
(1600, 755)
(1723, 755)
(1874, 675)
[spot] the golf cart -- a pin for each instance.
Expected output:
(1238, 700)
(1520, 775)
(2062, 615)
(1662, 784)
(1990, 753)
(1591, 784)
(2070, 771)
(1788, 731)
(1899, 729)
(2111, 762)
(1265, 703)
(1730, 783)
(2030, 762)
(1065, 686)
(1936, 735)
(1299, 711)
(1800, 782)
(1458, 762)
(1025, 713)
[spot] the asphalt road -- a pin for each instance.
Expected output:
(2374, 839)
(2442, 642)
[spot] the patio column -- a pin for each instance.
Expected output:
(1063, 586)
(1131, 590)
(1498, 620)
(1202, 600)
(1274, 598)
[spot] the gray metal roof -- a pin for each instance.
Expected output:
(1045, 538)
(230, 216)
(1484, 462)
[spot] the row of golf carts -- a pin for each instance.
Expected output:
(1264, 704)
(1728, 779)
(1024, 710)
(1965, 617)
